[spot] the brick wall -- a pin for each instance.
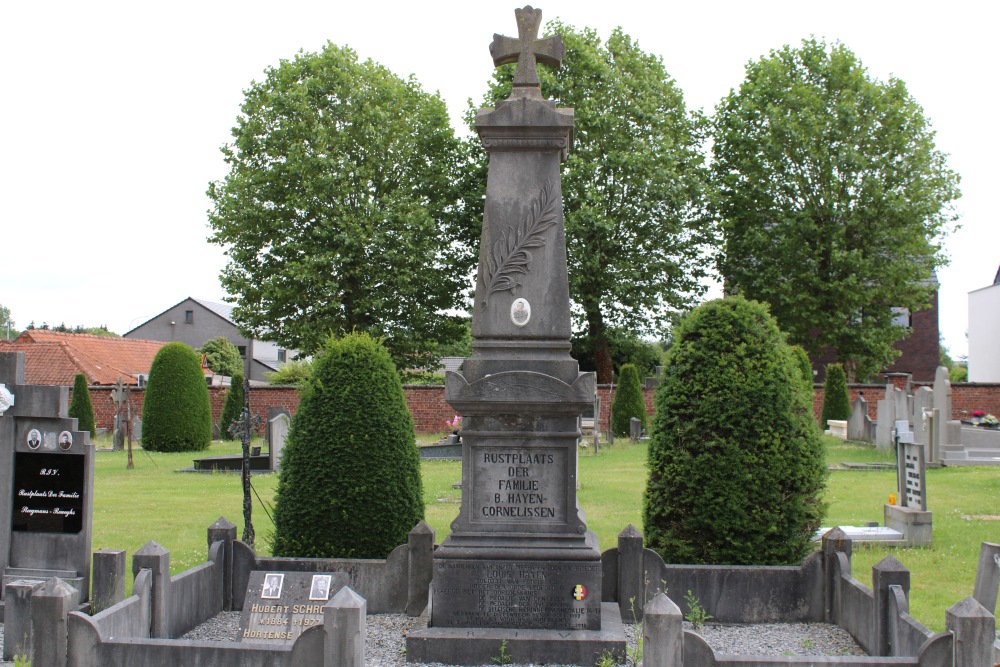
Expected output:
(430, 412)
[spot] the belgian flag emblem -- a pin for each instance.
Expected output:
(579, 592)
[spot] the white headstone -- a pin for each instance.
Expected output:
(278, 430)
(947, 428)
(923, 403)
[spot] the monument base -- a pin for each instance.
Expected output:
(915, 525)
(481, 646)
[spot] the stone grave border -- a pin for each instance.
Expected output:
(141, 631)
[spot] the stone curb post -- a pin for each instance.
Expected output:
(156, 559)
(109, 578)
(988, 576)
(420, 543)
(887, 572)
(50, 605)
(631, 587)
(224, 530)
(17, 617)
(662, 633)
(345, 627)
(974, 629)
(835, 540)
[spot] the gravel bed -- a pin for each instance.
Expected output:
(385, 641)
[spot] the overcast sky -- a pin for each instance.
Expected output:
(112, 115)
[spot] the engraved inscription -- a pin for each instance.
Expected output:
(519, 484)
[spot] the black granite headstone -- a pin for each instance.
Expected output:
(279, 605)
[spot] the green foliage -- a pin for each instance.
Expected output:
(628, 402)
(833, 200)
(343, 209)
(735, 463)
(81, 407)
(7, 327)
(297, 371)
(222, 356)
(805, 367)
(960, 373)
(836, 400)
(350, 474)
(232, 406)
(625, 349)
(696, 615)
(633, 186)
(176, 413)
(503, 658)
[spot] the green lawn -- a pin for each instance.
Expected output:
(152, 502)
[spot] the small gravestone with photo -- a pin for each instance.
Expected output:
(280, 605)
(46, 484)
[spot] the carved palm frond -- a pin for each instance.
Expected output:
(510, 256)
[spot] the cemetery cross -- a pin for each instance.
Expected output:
(244, 428)
(527, 50)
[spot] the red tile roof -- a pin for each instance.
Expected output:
(54, 358)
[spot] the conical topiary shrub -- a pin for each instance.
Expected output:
(736, 467)
(350, 484)
(81, 407)
(628, 402)
(232, 407)
(836, 400)
(805, 367)
(176, 413)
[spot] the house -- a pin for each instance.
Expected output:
(54, 358)
(984, 331)
(919, 351)
(194, 321)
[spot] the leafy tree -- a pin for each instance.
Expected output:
(350, 474)
(736, 465)
(633, 187)
(81, 407)
(232, 406)
(832, 198)
(805, 367)
(7, 327)
(624, 348)
(836, 400)
(342, 209)
(176, 413)
(628, 402)
(296, 371)
(223, 357)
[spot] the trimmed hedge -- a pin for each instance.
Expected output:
(736, 467)
(176, 413)
(628, 402)
(232, 407)
(349, 485)
(836, 400)
(81, 407)
(805, 366)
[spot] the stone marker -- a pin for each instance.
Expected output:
(859, 426)
(885, 417)
(519, 555)
(277, 430)
(46, 484)
(279, 605)
(909, 515)
(923, 406)
(948, 430)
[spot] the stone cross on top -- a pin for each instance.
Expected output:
(527, 50)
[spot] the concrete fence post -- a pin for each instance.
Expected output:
(420, 543)
(224, 530)
(17, 617)
(156, 559)
(631, 587)
(834, 540)
(887, 572)
(988, 577)
(345, 627)
(109, 579)
(50, 605)
(662, 633)
(974, 629)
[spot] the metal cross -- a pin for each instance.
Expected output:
(527, 50)
(244, 428)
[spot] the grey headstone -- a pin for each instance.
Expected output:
(947, 433)
(272, 412)
(859, 425)
(912, 476)
(884, 419)
(923, 404)
(277, 430)
(902, 406)
(279, 614)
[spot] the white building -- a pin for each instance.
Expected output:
(984, 333)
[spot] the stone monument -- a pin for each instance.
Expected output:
(46, 484)
(520, 565)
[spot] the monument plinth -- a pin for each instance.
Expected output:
(520, 556)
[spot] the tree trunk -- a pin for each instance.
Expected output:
(602, 351)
